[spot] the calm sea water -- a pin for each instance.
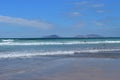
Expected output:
(19, 48)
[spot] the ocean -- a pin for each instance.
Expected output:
(34, 47)
(60, 59)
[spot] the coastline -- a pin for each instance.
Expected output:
(60, 68)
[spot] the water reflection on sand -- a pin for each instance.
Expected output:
(60, 68)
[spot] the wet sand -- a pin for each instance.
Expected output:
(60, 68)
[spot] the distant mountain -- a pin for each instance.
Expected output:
(78, 36)
(52, 36)
(88, 36)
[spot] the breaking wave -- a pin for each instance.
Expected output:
(7, 40)
(11, 42)
(33, 54)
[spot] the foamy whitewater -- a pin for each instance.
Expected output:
(28, 48)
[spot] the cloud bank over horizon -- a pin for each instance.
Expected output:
(25, 22)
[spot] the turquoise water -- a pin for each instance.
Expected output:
(19, 48)
(63, 59)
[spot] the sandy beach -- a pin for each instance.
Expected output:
(60, 68)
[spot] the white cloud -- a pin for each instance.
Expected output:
(100, 11)
(75, 14)
(89, 4)
(24, 22)
(81, 3)
(99, 24)
(97, 5)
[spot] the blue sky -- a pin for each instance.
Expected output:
(37, 18)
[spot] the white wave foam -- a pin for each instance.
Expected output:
(7, 40)
(10, 42)
(29, 55)
(18, 55)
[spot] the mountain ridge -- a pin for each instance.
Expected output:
(78, 36)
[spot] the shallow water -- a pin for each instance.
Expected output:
(60, 68)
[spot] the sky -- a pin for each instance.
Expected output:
(38, 18)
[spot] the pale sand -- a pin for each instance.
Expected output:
(64, 69)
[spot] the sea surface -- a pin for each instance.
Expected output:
(60, 59)
(35, 47)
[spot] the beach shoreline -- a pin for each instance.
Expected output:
(60, 68)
